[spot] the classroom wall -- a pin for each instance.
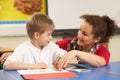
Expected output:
(114, 44)
(65, 14)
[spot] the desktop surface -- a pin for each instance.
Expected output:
(109, 72)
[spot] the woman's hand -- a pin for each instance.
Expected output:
(64, 60)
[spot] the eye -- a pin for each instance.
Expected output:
(84, 33)
(50, 34)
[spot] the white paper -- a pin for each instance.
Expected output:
(40, 71)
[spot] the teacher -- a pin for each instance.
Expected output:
(87, 46)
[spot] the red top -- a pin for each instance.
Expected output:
(101, 51)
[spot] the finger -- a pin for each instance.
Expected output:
(58, 64)
(2, 61)
(1, 57)
(65, 63)
(62, 64)
(55, 64)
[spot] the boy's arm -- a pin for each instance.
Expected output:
(9, 65)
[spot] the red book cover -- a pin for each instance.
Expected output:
(45, 73)
(50, 75)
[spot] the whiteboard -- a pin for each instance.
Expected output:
(66, 13)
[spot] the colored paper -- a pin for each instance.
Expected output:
(45, 73)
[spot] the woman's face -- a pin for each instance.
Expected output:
(85, 35)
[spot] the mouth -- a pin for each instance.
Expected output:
(79, 41)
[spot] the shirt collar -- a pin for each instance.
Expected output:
(32, 47)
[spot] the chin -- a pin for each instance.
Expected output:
(80, 44)
(46, 44)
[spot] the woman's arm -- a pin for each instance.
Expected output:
(89, 58)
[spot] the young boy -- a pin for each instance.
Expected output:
(39, 52)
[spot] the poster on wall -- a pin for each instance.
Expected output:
(14, 11)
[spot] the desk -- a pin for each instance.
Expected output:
(3, 50)
(109, 72)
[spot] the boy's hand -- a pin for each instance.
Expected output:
(41, 65)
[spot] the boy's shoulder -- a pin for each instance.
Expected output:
(24, 44)
(51, 44)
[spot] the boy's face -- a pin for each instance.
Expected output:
(45, 38)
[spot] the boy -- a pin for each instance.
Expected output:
(39, 52)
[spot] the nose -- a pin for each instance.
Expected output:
(51, 37)
(79, 35)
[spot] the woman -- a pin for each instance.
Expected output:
(87, 47)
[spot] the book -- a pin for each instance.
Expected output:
(81, 66)
(46, 73)
(78, 67)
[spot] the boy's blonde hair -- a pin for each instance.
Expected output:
(39, 23)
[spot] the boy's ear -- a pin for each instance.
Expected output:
(36, 35)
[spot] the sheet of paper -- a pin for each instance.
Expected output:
(40, 71)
